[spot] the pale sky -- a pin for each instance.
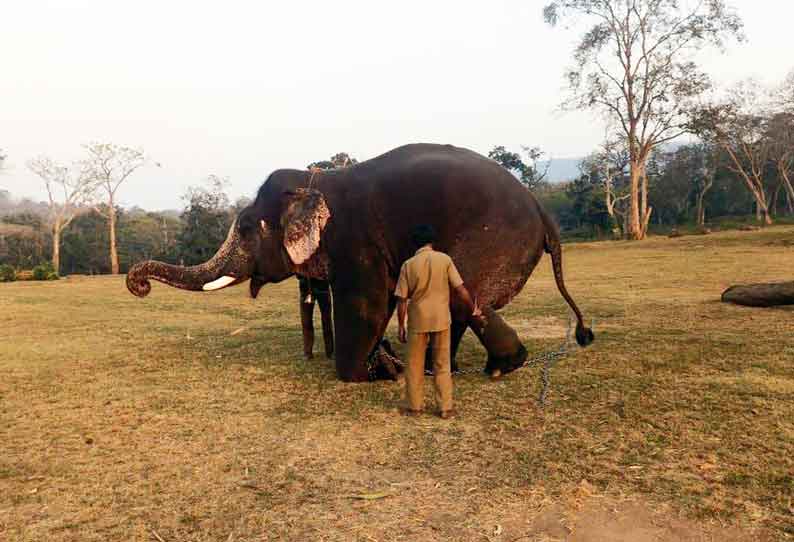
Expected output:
(239, 89)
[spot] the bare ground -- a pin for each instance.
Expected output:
(193, 417)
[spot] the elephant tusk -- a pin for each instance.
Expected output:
(496, 374)
(219, 283)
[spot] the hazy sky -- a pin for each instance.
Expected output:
(239, 89)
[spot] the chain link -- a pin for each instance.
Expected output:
(549, 359)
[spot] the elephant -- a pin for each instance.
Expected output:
(315, 291)
(352, 227)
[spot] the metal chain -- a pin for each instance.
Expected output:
(549, 359)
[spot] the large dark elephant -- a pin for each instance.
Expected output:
(352, 227)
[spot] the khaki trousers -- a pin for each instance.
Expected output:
(415, 373)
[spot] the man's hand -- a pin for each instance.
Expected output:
(476, 312)
(477, 315)
(402, 317)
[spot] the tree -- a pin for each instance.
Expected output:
(608, 165)
(527, 172)
(206, 221)
(108, 165)
(738, 125)
(780, 135)
(785, 93)
(634, 64)
(23, 242)
(340, 159)
(67, 189)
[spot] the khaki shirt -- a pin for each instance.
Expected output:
(425, 279)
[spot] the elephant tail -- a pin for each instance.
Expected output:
(584, 335)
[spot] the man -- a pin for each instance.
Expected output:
(311, 291)
(426, 280)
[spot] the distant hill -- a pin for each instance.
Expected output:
(561, 169)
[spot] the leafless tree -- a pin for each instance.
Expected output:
(738, 125)
(781, 133)
(108, 165)
(67, 189)
(710, 156)
(634, 64)
(610, 162)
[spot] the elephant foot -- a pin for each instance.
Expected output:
(505, 351)
(497, 366)
(308, 355)
(383, 363)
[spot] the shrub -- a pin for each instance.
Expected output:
(7, 273)
(44, 271)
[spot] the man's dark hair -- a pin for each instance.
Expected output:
(423, 235)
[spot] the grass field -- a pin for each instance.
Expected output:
(161, 419)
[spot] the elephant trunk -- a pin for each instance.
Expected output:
(230, 265)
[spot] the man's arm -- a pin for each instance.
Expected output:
(402, 294)
(402, 316)
(462, 292)
(465, 296)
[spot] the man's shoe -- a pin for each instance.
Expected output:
(447, 414)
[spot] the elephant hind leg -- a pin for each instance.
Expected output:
(458, 331)
(506, 353)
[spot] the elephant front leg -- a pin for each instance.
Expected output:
(328, 327)
(359, 323)
(307, 324)
(506, 353)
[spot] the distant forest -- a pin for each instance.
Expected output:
(690, 186)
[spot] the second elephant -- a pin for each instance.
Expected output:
(316, 291)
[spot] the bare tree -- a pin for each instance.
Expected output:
(786, 93)
(704, 181)
(780, 137)
(67, 189)
(634, 64)
(738, 125)
(108, 165)
(610, 162)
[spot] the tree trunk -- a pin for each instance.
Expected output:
(760, 295)
(701, 215)
(708, 182)
(634, 229)
(789, 189)
(56, 247)
(646, 220)
(773, 204)
(114, 256)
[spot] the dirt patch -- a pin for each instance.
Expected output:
(542, 327)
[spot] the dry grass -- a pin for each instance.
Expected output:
(127, 419)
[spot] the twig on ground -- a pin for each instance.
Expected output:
(157, 536)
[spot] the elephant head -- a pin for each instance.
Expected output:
(261, 246)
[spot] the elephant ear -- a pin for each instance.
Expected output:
(303, 220)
